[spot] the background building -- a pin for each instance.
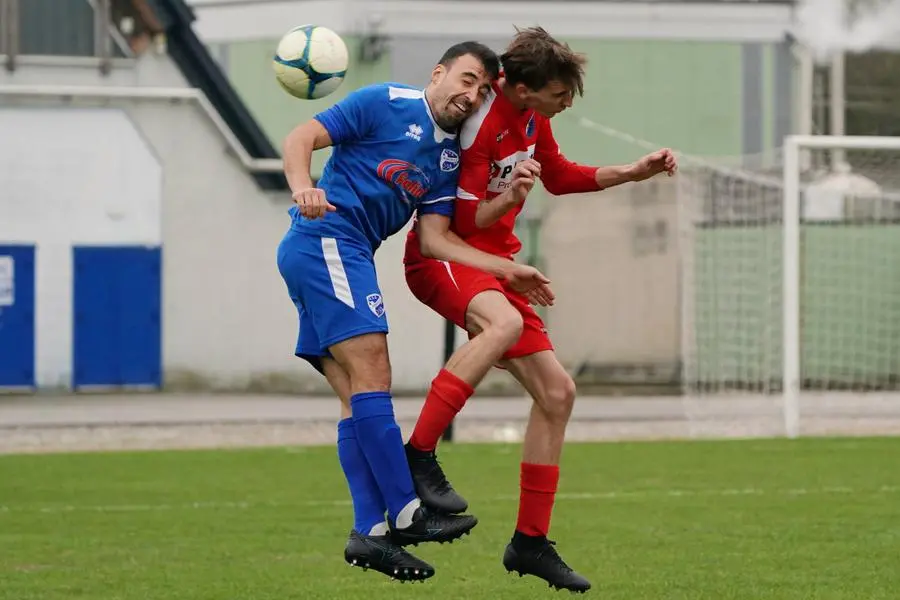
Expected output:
(142, 196)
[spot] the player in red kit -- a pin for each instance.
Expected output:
(506, 145)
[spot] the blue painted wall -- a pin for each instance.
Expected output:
(117, 322)
(17, 316)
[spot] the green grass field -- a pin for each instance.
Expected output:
(809, 519)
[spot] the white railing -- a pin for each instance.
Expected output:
(252, 165)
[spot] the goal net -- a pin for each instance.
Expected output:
(764, 289)
(791, 280)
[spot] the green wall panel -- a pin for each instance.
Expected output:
(682, 94)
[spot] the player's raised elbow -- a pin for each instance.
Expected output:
(553, 186)
(299, 138)
(308, 136)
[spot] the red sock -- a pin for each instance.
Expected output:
(538, 491)
(447, 396)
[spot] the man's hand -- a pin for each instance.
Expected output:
(661, 161)
(531, 283)
(540, 296)
(490, 211)
(523, 177)
(312, 203)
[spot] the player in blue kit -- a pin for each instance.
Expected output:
(395, 154)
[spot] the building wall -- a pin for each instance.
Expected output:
(227, 322)
(68, 182)
(614, 264)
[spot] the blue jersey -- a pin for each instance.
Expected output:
(389, 160)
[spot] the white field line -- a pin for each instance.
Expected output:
(610, 495)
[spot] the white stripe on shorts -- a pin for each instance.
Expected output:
(336, 272)
(450, 273)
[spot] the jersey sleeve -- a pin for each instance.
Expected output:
(558, 174)
(440, 198)
(354, 117)
(474, 177)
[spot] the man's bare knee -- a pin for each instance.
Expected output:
(490, 314)
(507, 327)
(365, 360)
(558, 398)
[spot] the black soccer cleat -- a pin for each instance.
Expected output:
(529, 555)
(431, 483)
(432, 526)
(380, 553)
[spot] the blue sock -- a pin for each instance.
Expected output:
(381, 442)
(368, 505)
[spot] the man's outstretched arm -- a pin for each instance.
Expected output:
(563, 176)
(438, 242)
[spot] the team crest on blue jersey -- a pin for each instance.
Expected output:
(529, 129)
(376, 304)
(409, 179)
(449, 160)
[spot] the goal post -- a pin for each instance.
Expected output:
(789, 271)
(877, 184)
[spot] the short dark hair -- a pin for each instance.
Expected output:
(535, 58)
(488, 57)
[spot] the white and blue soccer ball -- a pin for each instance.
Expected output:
(310, 62)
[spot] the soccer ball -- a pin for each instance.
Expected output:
(310, 62)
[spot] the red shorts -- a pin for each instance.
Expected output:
(448, 288)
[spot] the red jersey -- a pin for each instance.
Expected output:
(493, 141)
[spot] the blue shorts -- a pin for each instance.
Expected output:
(333, 284)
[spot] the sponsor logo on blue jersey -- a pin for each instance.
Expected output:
(409, 179)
